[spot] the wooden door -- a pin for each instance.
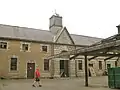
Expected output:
(30, 70)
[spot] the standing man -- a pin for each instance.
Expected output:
(37, 78)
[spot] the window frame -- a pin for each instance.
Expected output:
(80, 65)
(24, 46)
(25, 43)
(46, 65)
(6, 45)
(11, 65)
(41, 50)
(100, 65)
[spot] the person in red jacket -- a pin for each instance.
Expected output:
(37, 78)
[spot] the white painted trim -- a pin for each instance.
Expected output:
(48, 48)
(7, 44)
(9, 62)
(29, 46)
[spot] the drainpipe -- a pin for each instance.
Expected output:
(75, 66)
(52, 61)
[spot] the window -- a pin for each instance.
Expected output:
(100, 65)
(25, 47)
(80, 64)
(3, 45)
(115, 63)
(108, 65)
(44, 48)
(13, 65)
(46, 64)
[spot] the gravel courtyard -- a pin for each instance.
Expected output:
(95, 83)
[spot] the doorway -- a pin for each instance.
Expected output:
(64, 70)
(90, 65)
(30, 70)
(108, 66)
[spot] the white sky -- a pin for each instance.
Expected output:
(97, 18)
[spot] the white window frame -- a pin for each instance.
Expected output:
(13, 56)
(21, 48)
(48, 46)
(5, 42)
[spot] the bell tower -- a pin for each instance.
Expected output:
(55, 23)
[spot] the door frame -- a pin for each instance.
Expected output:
(29, 61)
(68, 64)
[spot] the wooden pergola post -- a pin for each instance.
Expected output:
(86, 71)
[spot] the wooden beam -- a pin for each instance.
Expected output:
(92, 58)
(100, 47)
(86, 71)
(109, 58)
(96, 55)
(74, 56)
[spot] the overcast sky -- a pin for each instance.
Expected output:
(97, 18)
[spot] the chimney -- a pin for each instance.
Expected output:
(118, 28)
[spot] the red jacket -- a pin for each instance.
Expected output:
(37, 73)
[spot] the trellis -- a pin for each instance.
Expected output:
(109, 48)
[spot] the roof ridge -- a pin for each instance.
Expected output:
(87, 36)
(23, 27)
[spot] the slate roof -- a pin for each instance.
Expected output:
(84, 40)
(7, 31)
(25, 33)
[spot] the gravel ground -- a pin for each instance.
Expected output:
(95, 83)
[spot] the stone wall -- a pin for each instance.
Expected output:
(72, 71)
(56, 67)
(73, 64)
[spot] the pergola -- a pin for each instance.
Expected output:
(109, 48)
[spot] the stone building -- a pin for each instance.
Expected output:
(23, 49)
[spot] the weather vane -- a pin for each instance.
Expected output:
(56, 13)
